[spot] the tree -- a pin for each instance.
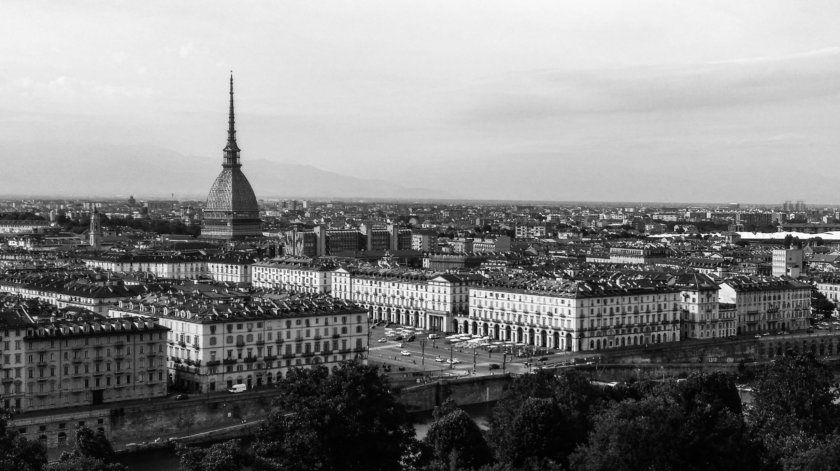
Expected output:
(344, 420)
(661, 432)
(795, 393)
(225, 456)
(18, 453)
(821, 455)
(455, 442)
(715, 389)
(794, 406)
(92, 452)
(542, 416)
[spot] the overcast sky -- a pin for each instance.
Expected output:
(588, 100)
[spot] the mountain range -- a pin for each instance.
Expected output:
(79, 170)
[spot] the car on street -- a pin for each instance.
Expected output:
(439, 359)
(410, 338)
(543, 359)
(382, 340)
(180, 397)
(398, 337)
(433, 336)
(453, 361)
(405, 353)
(494, 366)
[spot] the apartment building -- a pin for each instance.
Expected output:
(292, 274)
(250, 340)
(410, 297)
(178, 267)
(66, 290)
(574, 315)
(765, 304)
(700, 311)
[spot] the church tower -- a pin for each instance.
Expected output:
(95, 232)
(231, 212)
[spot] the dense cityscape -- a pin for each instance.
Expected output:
(114, 309)
(457, 236)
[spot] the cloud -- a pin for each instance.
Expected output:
(548, 94)
(185, 49)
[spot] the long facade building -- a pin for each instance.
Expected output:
(768, 304)
(213, 345)
(65, 291)
(292, 275)
(81, 359)
(574, 316)
(420, 299)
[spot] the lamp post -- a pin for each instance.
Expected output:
(423, 354)
(450, 355)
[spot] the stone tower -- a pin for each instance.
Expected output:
(231, 211)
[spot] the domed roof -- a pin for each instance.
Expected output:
(232, 192)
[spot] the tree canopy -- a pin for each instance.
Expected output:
(346, 419)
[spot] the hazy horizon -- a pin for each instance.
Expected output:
(484, 100)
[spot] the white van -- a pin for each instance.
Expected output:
(238, 388)
(433, 336)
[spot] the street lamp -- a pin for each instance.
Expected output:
(423, 354)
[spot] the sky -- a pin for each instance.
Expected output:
(613, 100)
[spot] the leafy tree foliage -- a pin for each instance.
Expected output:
(18, 453)
(347, 420)
(794, 410)
(662, 432)
(455, 442)
(92, 452)
(225, 456)
(795, 394)
(818, 455)
(542, 416)
(820, 304)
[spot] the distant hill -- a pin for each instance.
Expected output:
(57, 169)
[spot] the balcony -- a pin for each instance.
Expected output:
(260, 342)
(298, 339)
(336, 336)
(98, 358)
(270, 357)
(7, 380)
(229, 361)
(78, 360)
(249, 359)
(308, 354)
(41, 364)
(182, 344)
(240, 343)
(119, 344)
(213, 363)
(288, 356)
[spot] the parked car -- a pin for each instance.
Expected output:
(398, 337)
(180, 397)
(494, 366)
(439, 359)
(433, 336)
(382, 340)
(405, 353)
(410, 338)
(238, 388)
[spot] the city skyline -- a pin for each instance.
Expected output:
(550, 102)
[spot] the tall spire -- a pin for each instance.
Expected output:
(231, 150)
